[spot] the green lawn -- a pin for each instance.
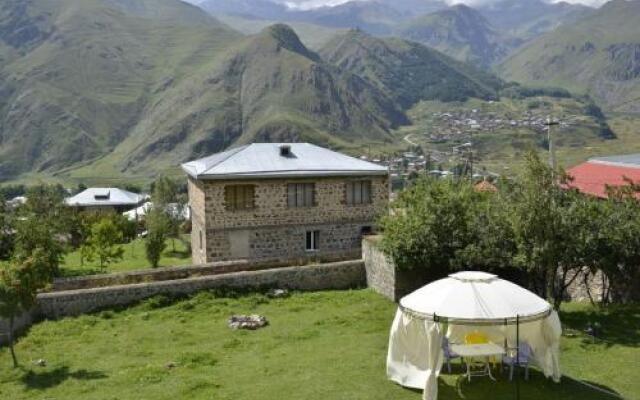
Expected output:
(322, 345)
(134, 258)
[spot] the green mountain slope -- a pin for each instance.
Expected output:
(598, 55)
(269, 87)
(462, 33)
(75, 77)
(530, 18)
(406, 71)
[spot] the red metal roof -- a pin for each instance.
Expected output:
(592, 177)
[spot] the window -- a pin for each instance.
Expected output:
(301, 194)
(358, 192)
(200, 234)
(312, 239)
(239, 197)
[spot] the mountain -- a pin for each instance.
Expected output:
(406, 71)
(530, 18)
(75, 76)
(598, 55)
(372, 16)
(268, 87)
(461, 32)
(255, 9)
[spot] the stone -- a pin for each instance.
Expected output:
(278, 293)
(251, 322)
(41, 362)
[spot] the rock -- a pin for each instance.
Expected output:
(171, 365)
(251, 322)
(278, 293)
(41, 362)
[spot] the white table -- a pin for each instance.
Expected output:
(484, 350)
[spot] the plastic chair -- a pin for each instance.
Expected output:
(448, 353)
(476, 338)
(522, 357)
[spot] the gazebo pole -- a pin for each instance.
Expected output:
(518, 356)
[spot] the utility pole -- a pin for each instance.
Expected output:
(552, 148)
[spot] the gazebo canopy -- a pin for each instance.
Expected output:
(475, 298)
(461, 304)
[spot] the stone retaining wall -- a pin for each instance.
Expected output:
(340, 275)
(382, 274)
(160, 274)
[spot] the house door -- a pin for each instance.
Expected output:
(239, 241)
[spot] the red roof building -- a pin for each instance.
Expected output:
(593, 176)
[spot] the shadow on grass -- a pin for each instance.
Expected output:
(54, 377)
(537, 387)
(177, 254)
(619, 324)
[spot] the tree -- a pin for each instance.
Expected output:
(19, 285)
(549, 226)
(6, 230)
(43, 223)
(158, 227)
(430, 225)
(167, 198)
(103, 243)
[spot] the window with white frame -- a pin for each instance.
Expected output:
(312, 240)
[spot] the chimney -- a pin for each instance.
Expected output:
(285, 150)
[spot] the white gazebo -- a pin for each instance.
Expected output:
(460, 304)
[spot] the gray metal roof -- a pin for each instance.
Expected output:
(263, 160)
(104, 197)
(630, 160)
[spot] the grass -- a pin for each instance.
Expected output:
(134, 258)
(322, 345)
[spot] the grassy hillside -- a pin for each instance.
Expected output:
(597, 55)
(461, 32)
(323, 345)
(83, 73)
(407, 71)
(313, 36)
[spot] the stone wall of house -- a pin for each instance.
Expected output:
(383, 275)
(274, 231)
(199, 234)
(340, 275)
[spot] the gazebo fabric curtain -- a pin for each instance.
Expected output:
(415, 355)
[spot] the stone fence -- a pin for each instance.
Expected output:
(340, 275)
(61, 303)
(382, 274)
(158, 274)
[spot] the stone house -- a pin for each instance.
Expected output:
(283, 203)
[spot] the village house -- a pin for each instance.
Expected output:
(594, 176)
(283, 202)
(106, 200)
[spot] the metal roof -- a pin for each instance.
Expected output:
(628, 160)
(104, 197)
(264, 160)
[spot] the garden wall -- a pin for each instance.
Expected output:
(382, 274)
(340, 275)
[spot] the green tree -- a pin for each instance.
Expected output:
(430, 225)
(19, 285)
(549, 224)
(103, 243)
(6, 230)
(158, 228)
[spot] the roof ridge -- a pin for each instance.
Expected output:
(230, 154)
(614, 163)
